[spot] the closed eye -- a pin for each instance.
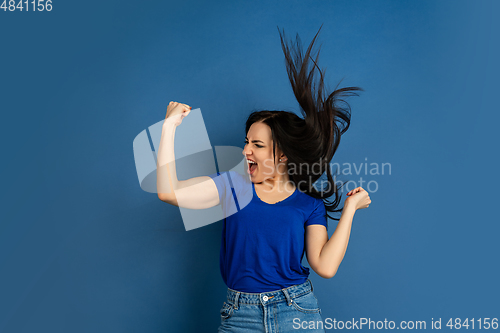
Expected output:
(259, 146)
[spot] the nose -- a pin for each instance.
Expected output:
(244, 152)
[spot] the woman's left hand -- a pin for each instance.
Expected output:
(359, 198)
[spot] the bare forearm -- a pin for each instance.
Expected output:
(334, 250)
(166, 176)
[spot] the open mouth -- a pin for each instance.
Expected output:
(252, 166)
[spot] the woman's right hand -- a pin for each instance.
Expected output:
(176, 112)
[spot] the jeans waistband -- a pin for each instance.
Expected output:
(269, 297)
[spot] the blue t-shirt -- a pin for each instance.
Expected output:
(263, 244)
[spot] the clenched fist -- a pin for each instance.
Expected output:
(176, 112)
(359, 198)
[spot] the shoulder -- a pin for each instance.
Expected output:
(236, 180)
(309, 201)
(315, 210)
(229, 177)
(237, 177)
(231, 181)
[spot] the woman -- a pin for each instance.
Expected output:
(264, 242)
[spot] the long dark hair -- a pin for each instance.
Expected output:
(309, 143)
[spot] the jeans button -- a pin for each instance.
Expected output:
(265, 298)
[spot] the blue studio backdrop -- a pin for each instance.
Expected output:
(83, 248)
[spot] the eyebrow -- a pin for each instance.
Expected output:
(254, 140)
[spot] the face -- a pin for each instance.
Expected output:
(259, 148)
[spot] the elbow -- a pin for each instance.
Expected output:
(166, 197)
(332, 274)
(327, 274)
(162, 196)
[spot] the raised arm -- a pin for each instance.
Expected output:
(194, 193)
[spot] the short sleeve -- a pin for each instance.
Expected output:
(318, 215)
(221, 182)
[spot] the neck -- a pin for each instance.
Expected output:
(278, 184)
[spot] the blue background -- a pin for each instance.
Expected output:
(84, 249)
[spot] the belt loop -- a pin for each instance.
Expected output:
(288, 299)
(311, 284)
(236, 300)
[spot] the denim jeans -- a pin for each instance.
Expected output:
(292, 309)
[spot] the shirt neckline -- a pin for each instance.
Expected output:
(278, 202)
